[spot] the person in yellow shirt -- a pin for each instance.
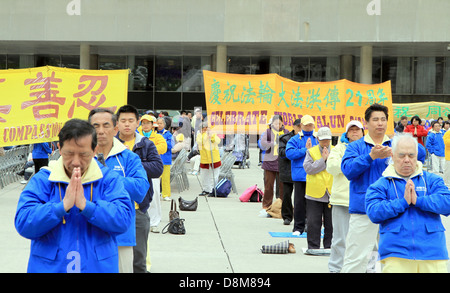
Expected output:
(447, 158)
(208, 144)
(147, 129)
(318, 191)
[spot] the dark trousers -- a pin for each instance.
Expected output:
(315, 212)
(269, 179)
(140, 250)
(39, 163)
(287, 210)
(299, 206)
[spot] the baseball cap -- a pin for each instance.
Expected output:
(297, 122)
(324, 133)
(148, 118)
(354, 123)
(307, 119)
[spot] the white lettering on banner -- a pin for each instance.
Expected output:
(374, 7)
(74, 7)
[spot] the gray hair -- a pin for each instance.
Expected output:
(163, 120)
(401, 136)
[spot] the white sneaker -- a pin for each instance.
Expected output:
(296, 233)
(167, 198)
(194, 173)
(24, 182)
(154, 229)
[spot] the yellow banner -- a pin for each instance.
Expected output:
(425, 110)
(245, 103)
(36, 102)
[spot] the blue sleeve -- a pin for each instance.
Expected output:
(353, 163)
(295, 150)
(136, 181)
(379, 205)
(421, 153)
(47, 147)
(430, 143)
(153, 164)
(437, 199)
(35, 214)
(113, 213)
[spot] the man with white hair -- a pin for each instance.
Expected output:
(407, 203)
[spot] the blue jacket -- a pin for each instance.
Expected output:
(435, 143)
(85, 241)
(128, 165)
(409, 231)
(361, 170)
(296, 152)
(41, 150)
(167, 156)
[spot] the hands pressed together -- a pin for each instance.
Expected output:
(74, 192)
(410, 192)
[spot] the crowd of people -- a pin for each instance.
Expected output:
(121, 162)
(366, 186)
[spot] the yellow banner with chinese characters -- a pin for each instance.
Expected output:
(36, 102)
(245, 103)
(425, 110)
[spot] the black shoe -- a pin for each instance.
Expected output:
(211, 194)
(286, 222)
(204, 193)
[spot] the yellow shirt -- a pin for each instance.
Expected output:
(130, 144)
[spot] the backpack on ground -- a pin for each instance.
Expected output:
(223, 188)
(252, 194)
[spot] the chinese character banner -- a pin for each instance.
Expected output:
(425, 110)
(36, 102)
(245, 103)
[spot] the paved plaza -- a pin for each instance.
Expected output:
(224, 235)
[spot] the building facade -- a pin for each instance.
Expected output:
(167, 43)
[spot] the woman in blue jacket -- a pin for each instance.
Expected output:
(296, 152)
(407, 203)
(40, 154)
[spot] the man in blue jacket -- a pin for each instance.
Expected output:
(407, 203)
(40, 154)
(436, 147)
(73, 209)
(363, 163)
(296, 149)
(128, 165)
(128, 122)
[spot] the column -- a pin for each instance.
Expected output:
(85, 56)
(365, 68)
(221, 58)
(346, 68)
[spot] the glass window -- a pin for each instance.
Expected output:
(239, 65)
(425, 75)
(2, 61)
(112, 62)
(440, 68)
(376, 69)
(317, 68)
(446, 81)
(333, 68)
(193, 66)
(168, 73)
(70, 61)
(50, 60)
(299, 69)
(260, 65)
(141, 76)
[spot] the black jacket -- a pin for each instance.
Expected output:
(284, 164)
(152, 163)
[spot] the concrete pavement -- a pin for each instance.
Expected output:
(224, 235)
